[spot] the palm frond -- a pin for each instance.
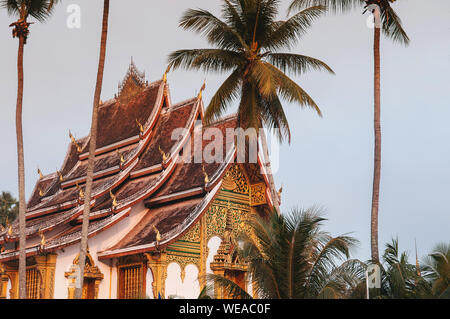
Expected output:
(296, 63)
(40, 10)
(232, 289)
(227, 92)
(215, 60)
(287, 33)
(291, 91)
(392, 26)
(332, 5)
(215, 30)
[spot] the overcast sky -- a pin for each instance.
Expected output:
(330, 160)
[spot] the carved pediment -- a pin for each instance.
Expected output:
(133, 83)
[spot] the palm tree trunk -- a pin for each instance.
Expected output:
(377, 150)
(92, 147)
(21, 173)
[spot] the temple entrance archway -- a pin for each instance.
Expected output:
(91, 280)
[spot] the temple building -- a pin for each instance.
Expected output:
(160, 220)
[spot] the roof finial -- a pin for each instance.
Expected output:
(114, 198)
(74, 142)
(205, 174)
(122, 160)
(164, 155)
(141, 128)
(165, 73)
(279, 192)
(43, 241)
(201, 90)
(40, 173)
(80, 191)
(158, 235)
(61, 178)
(41, 192)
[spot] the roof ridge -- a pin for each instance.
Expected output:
(223, 119)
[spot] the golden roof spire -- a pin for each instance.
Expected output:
(74, 142)
(114, 198)
(158, 235)
(61, 178)
(10, 230)
(201, 90)
(165, 73)
(81, 194)
(122, 160)
(164, 155)
(141, 128)
(205, 174)
(43, 241)
(40, 173)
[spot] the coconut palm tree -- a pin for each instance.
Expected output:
(392, 28)
(399, 278)
(92, 147)
(437, 264)
(40, 10)
(246, 44)
(290, 257)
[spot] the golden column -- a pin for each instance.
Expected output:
(203, 253)
(3, 283)
(46, 265)
(157, 262)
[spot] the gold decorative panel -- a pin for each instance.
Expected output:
(235, 181)
(258, 194)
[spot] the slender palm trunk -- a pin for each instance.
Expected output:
(92, 147)
(21, 172)
(377, 150)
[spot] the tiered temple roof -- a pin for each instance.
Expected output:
(136, 161)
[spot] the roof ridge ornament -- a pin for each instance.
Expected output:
(61, 178)
(158, 235)
(206, 180)
(165, 73)
(199, 96)
(114, 200)
(41, 176)
(80, 193)
(136, 81)
(164, 155)
(141, 129)
(43, 241)
(121, 159)
(74, 142)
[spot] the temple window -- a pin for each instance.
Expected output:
(132, 272)
(33, 284)
(130, 282)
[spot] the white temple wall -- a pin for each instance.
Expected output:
(187, 289)
(213, 246)
(149, 281)
(100, 242)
